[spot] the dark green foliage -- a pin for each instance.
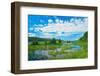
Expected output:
(85, 37)
(68, 41)
(35, 43)
(53, 41)
(30, 39)
(60, 41)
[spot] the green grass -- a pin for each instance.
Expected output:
(43, 47)
(68, 54)
(52, 47)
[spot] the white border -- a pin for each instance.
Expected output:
(25, 64)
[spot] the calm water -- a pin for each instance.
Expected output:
(44, 54)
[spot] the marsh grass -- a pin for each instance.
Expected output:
(64, 53)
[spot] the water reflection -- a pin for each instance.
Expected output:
(44, 54)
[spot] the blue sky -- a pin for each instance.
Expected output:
(59, 27)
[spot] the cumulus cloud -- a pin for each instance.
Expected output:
(50, 20)
(31, 28)
(31, 34)
(57, 20)
(46, 35)
(61, 28)
(67, 27)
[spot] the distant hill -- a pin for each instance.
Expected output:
(36, 39)
(40, 39)
(85, 37)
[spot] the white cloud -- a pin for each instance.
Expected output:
(57, 20)
(75, 25)
(40, 25)
(46, 35)
(31, 28)
(50, 20)
(51, 35)
(66, 34)
(62, 28)
(35, 25)
(38, 29)
(65, 28)
(60, 21)
(31, 34)
(72, 20)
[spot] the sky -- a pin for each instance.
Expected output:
(59, 27)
